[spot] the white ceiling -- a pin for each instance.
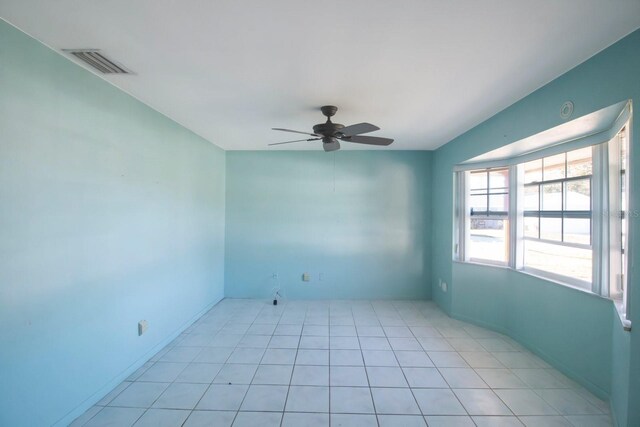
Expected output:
(424, 71)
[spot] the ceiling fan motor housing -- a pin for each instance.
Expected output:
(327, 129)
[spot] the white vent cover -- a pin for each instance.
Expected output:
(98, 61)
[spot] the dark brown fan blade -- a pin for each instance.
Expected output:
(357, 129)
(297, 140)
(371, 140)
(294, 131)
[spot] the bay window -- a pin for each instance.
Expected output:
(560, 214)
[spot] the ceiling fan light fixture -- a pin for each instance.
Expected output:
(330, 144)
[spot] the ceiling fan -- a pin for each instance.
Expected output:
(331, 133)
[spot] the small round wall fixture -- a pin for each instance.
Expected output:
(566, 110)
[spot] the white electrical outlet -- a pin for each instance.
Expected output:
(274, 276)
(143, 325)
(306, 277)
(444, 286)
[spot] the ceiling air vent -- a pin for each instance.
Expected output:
(97, 60)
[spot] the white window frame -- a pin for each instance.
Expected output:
(604, 198)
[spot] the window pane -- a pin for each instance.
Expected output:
(478, 203)
(499, 180)
(552, 197)
(579, 162)
(558, 259)
(553, 167)
(533, 171)
(531, 198)
(577, 230)
(478, 180)
(578, 195)
(499, 202)
(531, 227)
(488, 239)
(551, 229)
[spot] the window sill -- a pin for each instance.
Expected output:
(626, 323)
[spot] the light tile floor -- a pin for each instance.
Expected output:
(343, 363)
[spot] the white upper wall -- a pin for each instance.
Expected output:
(423, 71)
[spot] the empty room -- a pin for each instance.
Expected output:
(319, 214)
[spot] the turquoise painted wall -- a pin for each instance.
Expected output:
(110, 213)
(607, 78)
(361, 218)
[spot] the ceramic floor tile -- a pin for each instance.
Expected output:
(438, 402)
(480, 359)
(246, 355)
(223, 397)
(545, 421)
(235, 374)
(447, 359)
(386, 377)
(345, 358)
(354, 376)
(279, 356)
(415, 359)
(265, 398)
(273, 375)
(353, 420)
(424, 378)
(210, 419)
(308, 399)
(374, 343)
(379, 358)
(525, 402)
(590, 420)
(162, 418)
(401, 421)
(434, 344)
(284, 341)
(500, 378)
(370, 331)
(163, 372)
(302, 419)
(351, 400)
(181, 396)
(567, 402)
(394, 401)
(199, 373)
(115, 417)
(481, 402)
(410, 344)
(214, 355)
(314, 343)
(497, 421)
(343, 331)
(462, 378)
(139, 395)
(310, 375)
(262, 419)
(539, 378)
(449, 421)
(312, 357)
(344, 343)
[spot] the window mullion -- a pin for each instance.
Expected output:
(516, 216)
(599, 222)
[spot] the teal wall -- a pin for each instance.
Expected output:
(361, 218)
(110, 213)
(534, 310)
